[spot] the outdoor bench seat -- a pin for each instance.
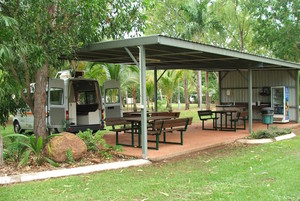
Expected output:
(125, 127)
(205, 115)
(169, 114)
(243, 116)
(169, 126)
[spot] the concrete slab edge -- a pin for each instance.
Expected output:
(71, 171)
(264, 141)
(156, 159)
(285, 137)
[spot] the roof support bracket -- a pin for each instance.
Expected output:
(242, 75)
(161, 75)
(223, 76)
(131, 56)
(292, 75)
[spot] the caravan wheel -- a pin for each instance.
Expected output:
(17, 127)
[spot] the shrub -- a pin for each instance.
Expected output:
(70, 156)
(93, 142)
(96, 143)
(270, 133)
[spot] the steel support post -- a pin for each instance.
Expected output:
(155, 89)
(220, 88)
(297, 97)
(142, 63)
(250, 99)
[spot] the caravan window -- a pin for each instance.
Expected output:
(112, 96)
(56, 96)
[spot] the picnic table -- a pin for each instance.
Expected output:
(136, 122)
(205, 115)
(227, 114)
(156, 126)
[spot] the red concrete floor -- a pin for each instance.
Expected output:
(194, 139)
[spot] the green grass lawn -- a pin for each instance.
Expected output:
(265, 172)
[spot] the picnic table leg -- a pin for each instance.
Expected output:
(117, 138)
(157, 142)
(165, 136)
(132, 134)
(221, 115)
(139, 134)
(215, 121)
(181, 136)
(230, 120)
(226, 120)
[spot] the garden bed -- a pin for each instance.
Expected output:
(24, 154)
(11, 168)
(267, 136)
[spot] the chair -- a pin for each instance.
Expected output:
(205, 115)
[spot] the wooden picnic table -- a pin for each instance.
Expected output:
(226, 113)
(136, 120)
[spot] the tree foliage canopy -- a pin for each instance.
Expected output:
(44, 30)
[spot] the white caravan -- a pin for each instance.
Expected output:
(73, 104)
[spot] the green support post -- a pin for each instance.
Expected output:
(250, 98)
(297, 96)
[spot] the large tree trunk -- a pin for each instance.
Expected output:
(40, 102)
(186, 94)
(199, 89)
(1, 150)
(207, 94)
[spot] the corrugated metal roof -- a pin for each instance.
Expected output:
(164, 52)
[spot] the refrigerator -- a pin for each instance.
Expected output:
(280, 103)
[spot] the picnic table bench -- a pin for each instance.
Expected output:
(120, 125)
(169, 114)
(169, 126)
(241, 116)
(205, 115)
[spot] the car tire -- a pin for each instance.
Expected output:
(17, 127)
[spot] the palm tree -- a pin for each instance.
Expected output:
(199, 24)
(130, 77)
(149, 88)
(168, 84)
(127, 75)
(187, 76)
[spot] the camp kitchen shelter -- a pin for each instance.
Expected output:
(241, 76)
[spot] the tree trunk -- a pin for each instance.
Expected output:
(1, 150)
(242, 41)
(207, 94)
(122, 98)
(126, 95)
(186, 94)
(134, 98)
(40, 102)
(199, 89)
(161, 96)
(178, 97)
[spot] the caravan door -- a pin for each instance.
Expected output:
(56, 104)
(112, 99)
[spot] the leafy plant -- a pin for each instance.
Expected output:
(92, 141)
(33, 146)
(70, 156)
(96, 143)
(13, 149)
(270, 133)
